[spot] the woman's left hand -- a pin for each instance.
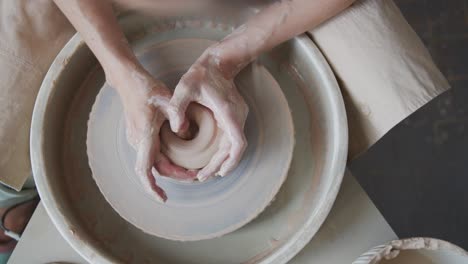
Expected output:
(205, 83)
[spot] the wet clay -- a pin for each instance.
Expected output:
(197, 151)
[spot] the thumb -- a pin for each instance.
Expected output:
(178, 104)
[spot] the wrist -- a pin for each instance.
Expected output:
(229, 62)
(121, 72)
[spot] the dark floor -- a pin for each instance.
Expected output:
(417, 175)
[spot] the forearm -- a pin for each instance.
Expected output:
(273, 25)
(165, 7)
(97, 24)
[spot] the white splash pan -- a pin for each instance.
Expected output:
(87, 221)
(417, 250)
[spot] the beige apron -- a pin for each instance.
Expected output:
(384, 70)
(32, 32)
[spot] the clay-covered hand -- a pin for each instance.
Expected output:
(146, 102)
(205, 83)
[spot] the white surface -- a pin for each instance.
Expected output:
(42, 243)
(353, 226)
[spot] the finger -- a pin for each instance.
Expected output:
(233, 128)
(238, 146)
(167, 169)
(143, 169)
(146, 154)
(179, 103)
(216, 161)
(161, 194)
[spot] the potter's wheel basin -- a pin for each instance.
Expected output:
(91, 226)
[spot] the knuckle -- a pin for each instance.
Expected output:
(244, 107)
(244, 144)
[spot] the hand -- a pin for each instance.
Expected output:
(206, 84)
(146, 103)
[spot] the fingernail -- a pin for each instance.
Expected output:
(222, 172)
(201, 177)
(154, 172)
(162, 198)
(176, 127)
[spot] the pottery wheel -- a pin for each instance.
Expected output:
(198, 210)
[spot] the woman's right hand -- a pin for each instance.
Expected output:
(146, 105)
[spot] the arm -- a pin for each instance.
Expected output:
(273, 25)
(96, 23)
(165, 7)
